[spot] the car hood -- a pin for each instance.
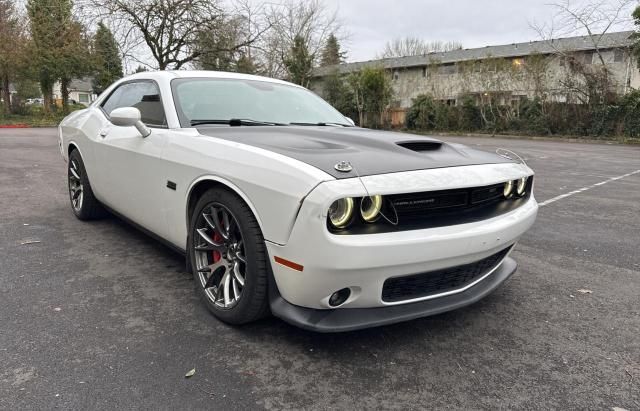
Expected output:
(370, 152)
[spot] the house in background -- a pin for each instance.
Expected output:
(12, 93)
(80, 91)
(458, 74)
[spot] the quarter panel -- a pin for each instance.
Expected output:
(82, 128)
(273, 185)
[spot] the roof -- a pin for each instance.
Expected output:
(580, 43)
(203, 74)
(81, 84)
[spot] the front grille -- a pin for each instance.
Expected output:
(430, 209)
(420, 205)
(440, 281)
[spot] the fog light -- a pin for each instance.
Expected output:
(339, 297)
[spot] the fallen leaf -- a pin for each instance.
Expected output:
(585, 291)
(190, 373)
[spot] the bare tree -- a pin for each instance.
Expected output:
(593, 18)
(310, 21)
(583, 81)
(414, 46)
(171, 30)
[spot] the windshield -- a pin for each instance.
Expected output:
(200, 99)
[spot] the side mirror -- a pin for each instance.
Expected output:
(129, 117)
(350, 121)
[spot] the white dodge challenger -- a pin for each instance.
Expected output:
(281, 205)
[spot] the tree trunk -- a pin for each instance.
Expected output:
(6, 94)
(47, 92)
(64, 90)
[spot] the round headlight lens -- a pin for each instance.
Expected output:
(370, 208)
(508, 189)
(521, 186)
(340, 212)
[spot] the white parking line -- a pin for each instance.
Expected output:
(583, 189)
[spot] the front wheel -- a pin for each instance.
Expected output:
(83, 203)
(228, 258)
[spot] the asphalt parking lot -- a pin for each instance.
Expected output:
(99, 316)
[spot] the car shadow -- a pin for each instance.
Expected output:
(444, 327)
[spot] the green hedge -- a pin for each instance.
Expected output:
(621, 118)
(35, 115)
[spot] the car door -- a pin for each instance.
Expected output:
(130, 167)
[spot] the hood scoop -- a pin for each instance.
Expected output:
(420, 146)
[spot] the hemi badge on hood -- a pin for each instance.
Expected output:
(343, 166)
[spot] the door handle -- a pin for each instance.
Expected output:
(104, 132)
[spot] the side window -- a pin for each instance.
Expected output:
(143, 95)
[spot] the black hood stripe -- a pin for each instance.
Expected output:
(370, 152)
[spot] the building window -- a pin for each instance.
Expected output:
(396, 75)
(449, 68)
(424, 72)
(518, 63)
(618, 56)
(588, 58)
(83, 98)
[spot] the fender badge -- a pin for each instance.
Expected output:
(343, 167)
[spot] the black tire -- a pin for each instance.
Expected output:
(89, 207)
(253, 303)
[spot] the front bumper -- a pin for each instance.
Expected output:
(342, 320)
(363, 263)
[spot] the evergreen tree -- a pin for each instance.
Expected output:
(299, 63)
(331, 54)
(11, 41)
(246, 65)
(59, 49)
(108, 65)
(47, 19)
(74, 59)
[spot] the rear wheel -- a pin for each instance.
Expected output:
(228, 258)
(83, 202)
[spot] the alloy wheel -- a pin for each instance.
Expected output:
(76, 189)
(220, 255)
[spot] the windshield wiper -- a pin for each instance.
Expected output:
(236, 122)
(322, 124)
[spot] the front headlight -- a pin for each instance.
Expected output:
(370, 208)
(508, 189)
(340, 212)
(521, 186)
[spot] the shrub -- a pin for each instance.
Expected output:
(620, 117)
(629, 113)
(422, 114)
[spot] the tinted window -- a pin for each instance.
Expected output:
(145, 96)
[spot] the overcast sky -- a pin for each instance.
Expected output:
(474, 23)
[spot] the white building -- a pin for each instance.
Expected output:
(452, 75)
(80, 91)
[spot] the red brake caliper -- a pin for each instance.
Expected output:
(216, 254)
